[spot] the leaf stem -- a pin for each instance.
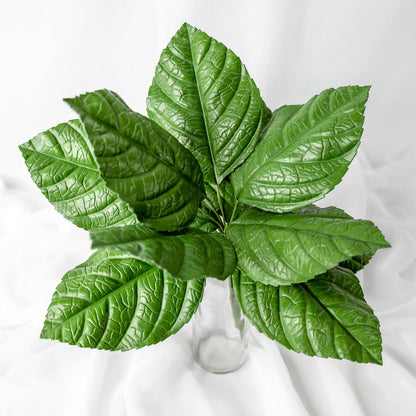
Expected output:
(220, 204)
(212, 219)
(213, 207)
(235, 309)
(234, 210)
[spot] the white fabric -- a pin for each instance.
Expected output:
(293, 49)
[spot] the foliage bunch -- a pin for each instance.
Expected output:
(212, 184)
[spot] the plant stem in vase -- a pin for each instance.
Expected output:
(219, 329)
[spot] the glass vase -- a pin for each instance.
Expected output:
(220, 337)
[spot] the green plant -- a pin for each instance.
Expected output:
(212, 184)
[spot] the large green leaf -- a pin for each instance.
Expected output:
(185, 256)
(304, 151)
(143, 163)
(115, 302)
(327, 316)
(203, 95)
(61, 162)
(281, 249)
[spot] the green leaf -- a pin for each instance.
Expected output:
(304, 151)
(203, 222)
(203, 95)
(325, 317)
(356, 263)
(115, 302)
(62, 164)
(281, 249)
(225, 193)
(184, 256)
(267, 115)
(228, 200)
(143, 163)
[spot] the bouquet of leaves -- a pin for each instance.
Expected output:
(212, 184)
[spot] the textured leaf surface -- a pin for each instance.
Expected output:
(203, 95)
(115, 302)
(185, 256)
(356, 263)
(304, 151)
(143, 163)
(327, 316)
(203, 222)
(61, 162)
(267, 115)
(280, 249)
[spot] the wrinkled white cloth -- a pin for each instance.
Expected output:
(293, 49)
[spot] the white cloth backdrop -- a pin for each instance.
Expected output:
(293, 49)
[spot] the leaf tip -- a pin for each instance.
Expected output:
(376, 358)
(72, 102)
(45, 331)
(187, 26)
(384, 242)
(75, 103)
(23, 147)
(188, 29)
(366, 89)
(363, 92)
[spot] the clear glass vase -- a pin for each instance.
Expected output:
(220, 337)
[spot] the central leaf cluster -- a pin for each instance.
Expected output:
(212, 185)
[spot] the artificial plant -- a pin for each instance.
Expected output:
(212, 184)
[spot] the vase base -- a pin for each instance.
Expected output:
(219, 354)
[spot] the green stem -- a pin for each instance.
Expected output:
(220, 204)
(235, 308)
(234, 210)
(213, 208)
(212, 219)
